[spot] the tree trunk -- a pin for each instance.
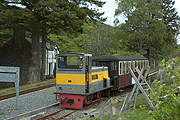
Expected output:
(19, 35)
(43, 67)
(34, 70)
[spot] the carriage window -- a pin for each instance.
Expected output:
(113, 68)
(139, 64)
(142, 64)
(129, 65)
(125, 67)
(134, 65)
(120, 68)
(147, 63)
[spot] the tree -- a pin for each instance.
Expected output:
(42, 17)
(95, 38)
(139, 32)
(172, 21)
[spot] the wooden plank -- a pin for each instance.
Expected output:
(8, 77)
(8, 69)
(141, 89)
(134, 89)
(144, 79)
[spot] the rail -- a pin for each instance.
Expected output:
(27, 91)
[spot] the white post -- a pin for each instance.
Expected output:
(17, 88)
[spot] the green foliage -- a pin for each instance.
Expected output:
(95, 38)
(53, 16)
(135, 115)
(166, 96)
(144, 20)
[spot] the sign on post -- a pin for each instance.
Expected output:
(11, 74)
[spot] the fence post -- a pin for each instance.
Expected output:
(17, 88)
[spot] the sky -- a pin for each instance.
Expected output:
(110, 6)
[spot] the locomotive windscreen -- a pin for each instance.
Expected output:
(70, 62)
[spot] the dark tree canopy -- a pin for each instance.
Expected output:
(39, 18)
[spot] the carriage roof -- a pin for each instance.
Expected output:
(118, 58)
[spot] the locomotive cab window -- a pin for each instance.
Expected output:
(70, 62)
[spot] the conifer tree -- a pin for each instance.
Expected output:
(41, 17)
(171, 20)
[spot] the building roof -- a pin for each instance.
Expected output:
(118, 58)
(74, 54)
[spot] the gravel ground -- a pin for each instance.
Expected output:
(27, 103)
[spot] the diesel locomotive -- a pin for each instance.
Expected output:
(81, 81)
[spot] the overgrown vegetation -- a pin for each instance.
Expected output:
(166, 96)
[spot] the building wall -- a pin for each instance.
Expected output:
(50, 62)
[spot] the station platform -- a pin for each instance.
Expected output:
(27, 103)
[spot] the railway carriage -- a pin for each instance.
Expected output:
(77, 82)
(118, 68)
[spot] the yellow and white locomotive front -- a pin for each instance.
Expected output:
(76, 80)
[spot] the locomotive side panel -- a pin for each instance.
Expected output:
(99, 80)
(70, 83)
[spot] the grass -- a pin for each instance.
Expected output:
(23, 87)
(131, 114)
(135, 115)
(138, 114)
(106, 117)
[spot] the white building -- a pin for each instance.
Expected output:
(51, 52)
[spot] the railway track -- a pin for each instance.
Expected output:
(41, 87)
(57, 114)
(66, 113)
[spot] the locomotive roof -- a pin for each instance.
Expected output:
(118, 58)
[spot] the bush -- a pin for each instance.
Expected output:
(166, 96)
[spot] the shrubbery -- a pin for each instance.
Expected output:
(166, 95)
